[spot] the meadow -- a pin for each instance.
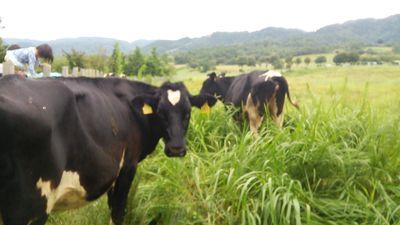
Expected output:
(336, 161)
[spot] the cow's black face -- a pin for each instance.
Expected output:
(172, 107)
(210, 86)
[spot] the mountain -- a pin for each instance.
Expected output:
(88, 45)
(363, 31)
(218, 39)
(294, 41)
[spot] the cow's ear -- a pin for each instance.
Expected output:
(204, 101)
(212, 75)
(145, 104)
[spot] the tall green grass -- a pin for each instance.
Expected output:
(336, 161)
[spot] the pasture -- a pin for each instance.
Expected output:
(336, 161)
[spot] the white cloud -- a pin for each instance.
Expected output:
(172, 19)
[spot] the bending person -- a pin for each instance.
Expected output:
(26, 59)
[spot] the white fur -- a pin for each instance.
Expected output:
(68, 194)
(271, 74)
(174, 96)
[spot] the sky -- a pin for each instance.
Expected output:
(173, 19)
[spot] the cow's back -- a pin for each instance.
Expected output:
(241, 87)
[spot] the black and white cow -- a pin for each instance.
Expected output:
(65, 142)
(253, 92)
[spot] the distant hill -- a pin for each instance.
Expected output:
(363, 31)
(293, 41)
(88, 45)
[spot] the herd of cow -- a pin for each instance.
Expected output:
(68, 141)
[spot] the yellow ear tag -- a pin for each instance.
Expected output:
(206, 108)
(147, 109)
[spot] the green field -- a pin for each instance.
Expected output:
(336, 161)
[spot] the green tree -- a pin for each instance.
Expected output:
(320, 60)
(98, 61)
(241, 60)
(3, 49)
(278, 64)
(117, 60)
(298, 61)
(153, 64)
(134, 62)
(307, 61)
(207, 65)
(289, 62)
(346, 58)
(75, 59)
(251, 61)
(396, 49)
(58, 63)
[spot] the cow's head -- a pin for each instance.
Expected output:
(171, 106)
(211, 86)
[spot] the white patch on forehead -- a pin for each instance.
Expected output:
(271, 74)
(174, 96)
(69, 193)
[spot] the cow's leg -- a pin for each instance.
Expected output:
(255, 120)
(39, 221)
(117, 196)
(279, 120)
(273, 111)
(24, 221)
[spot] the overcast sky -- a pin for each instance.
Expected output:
(173, 19)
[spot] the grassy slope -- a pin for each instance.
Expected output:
(335, 162)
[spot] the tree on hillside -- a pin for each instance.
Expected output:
(134, 62)
(278, 64)
(396, 49)
(251, 61)
(346, 58)
(98, 61)
(289, 62)
(298, 61)
(307, 61)
(320, 60)
(153, 64)
(206, 65)
(117, 60)
(241, 61)
(75, 59)
(3, 50)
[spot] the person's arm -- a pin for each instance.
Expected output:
(31, 65)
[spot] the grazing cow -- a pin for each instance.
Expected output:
(253, 91)
(67, 141)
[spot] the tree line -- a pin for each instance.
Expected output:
(135, 63)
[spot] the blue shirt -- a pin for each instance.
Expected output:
(24, 56)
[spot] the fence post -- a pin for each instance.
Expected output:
(8, 68)
(75, 71)
(46, 70)
(65, 71)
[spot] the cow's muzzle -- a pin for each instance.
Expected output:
(175, 151)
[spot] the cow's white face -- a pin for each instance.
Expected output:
(68, 195)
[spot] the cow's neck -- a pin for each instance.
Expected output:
(153, 135)
(224, 84)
